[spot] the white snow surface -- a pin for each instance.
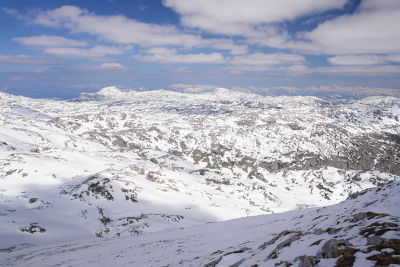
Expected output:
(145, 178)
(251, 241)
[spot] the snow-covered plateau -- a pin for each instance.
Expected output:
(162, 178)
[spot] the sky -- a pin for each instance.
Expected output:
(60, 48)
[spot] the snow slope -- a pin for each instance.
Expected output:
(124, 163)
(361, 231)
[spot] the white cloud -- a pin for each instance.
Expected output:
(113, 28)
(371, 30)
(240, 69)
(358, 91)
(190, 88)
(94, 52)
(353, 91)
(235, 17)
(181, 69)
(371, 5)
(298, 69)
(394, 58)
(165, 55)
(359, 70)
(260, 62)
(261, 59)
(13, 12)
(123, 30)
(365, 42)
(357, 60)
(30, 60)
(48, 41)
(225, 44)
(111, 66)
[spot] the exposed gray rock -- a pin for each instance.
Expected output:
(319, 231)
(33, 228)
(375, 240)
(283, 244)
(331, 246)
(359, 216)
(307, 261)
(273, 240)
(367, 215)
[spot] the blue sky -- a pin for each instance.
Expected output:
(52, 48)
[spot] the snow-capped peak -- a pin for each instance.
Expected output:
(221, 91)
(106, 93)
(110, 91)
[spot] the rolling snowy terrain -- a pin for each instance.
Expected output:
(361, 231)
(137, 177)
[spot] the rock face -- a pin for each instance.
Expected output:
(120, 163)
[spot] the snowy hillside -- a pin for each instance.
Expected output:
(361, 231)
(124, 164)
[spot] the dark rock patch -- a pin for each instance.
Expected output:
(33, 228)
